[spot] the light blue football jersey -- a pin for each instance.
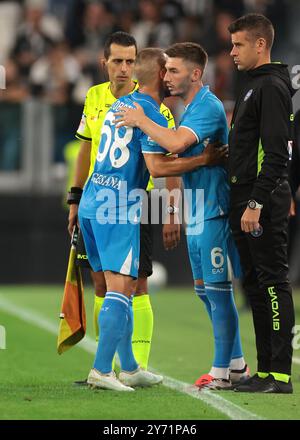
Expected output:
(205, 117)
(120, 172)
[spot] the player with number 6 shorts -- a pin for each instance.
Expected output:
(211, 249)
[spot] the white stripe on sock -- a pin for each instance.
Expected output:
(200, 291)
(118, 299)
(119, 295)
(218, 289)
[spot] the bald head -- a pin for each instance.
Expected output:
(149, 63)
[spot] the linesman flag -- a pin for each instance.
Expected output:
(72, 325)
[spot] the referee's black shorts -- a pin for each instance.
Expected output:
(146, 249)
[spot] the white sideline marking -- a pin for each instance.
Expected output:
(296, 360)
(226, 407)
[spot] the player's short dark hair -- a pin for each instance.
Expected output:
(120, 38)
(192, 52)
(151, 53)
(257, 25)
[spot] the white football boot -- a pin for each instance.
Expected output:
(106, 381)
(140, 378)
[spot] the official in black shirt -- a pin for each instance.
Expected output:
(260, 145)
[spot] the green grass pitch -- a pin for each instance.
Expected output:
(36, 383)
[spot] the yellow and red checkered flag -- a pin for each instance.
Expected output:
(72, 325)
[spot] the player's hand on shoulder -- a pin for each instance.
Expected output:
(215, 154)
(171, 232)
(73, 218)
(130, 117)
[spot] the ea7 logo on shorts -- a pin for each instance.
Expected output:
(248, 94)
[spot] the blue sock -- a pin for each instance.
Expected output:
(200, 292)
(237, 351)
(224, 320)
(112, 323)
(128, 362)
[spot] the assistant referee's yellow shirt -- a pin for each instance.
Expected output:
(97, 102)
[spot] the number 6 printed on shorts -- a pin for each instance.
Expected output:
(217, 258)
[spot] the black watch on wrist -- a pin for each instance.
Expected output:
(74, 195)
(171, 209)
(253, 204)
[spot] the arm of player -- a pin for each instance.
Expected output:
(171, 227)
(275, 134)
(160, 165)
(175, 141)
(82, 167)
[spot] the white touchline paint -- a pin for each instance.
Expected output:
(296, 360)
(226, 407)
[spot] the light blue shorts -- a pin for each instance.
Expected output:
(114, 247)
(213, 255)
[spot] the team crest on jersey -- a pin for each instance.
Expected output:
(258, 232)
(248, 94)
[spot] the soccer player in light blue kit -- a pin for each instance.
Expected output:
(211, 250)
(109, 214)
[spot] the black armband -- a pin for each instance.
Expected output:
(74, 196)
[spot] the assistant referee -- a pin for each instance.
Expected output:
(259, 153)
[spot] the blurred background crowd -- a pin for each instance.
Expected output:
(50, 50)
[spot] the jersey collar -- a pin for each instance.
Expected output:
(138, 96)
(199, 95)
(113, 97)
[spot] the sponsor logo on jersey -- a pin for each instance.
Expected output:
(110, 181)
